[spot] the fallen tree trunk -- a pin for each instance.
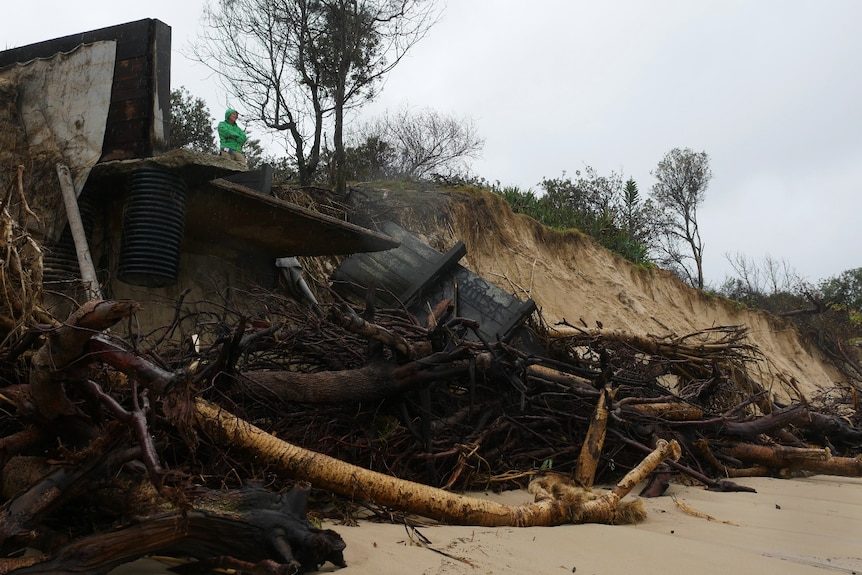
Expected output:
(22, 514)
(794, 458)
(371, 382)
(831, 426)
(764, 424)
(334, 475)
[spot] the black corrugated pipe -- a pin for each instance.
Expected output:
(154, 219)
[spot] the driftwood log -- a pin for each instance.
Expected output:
(365, 485)
(785, 459)
(591, 450)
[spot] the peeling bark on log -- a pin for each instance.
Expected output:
(578, 385)
(340, 477)
(667, 410)
(24, 512)
(591, 450)
(794, 458)
(712, 484)
(702, 445)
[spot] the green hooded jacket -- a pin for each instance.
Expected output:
(230, 135)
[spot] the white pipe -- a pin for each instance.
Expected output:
(85, 261)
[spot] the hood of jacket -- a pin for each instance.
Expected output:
(228, 112)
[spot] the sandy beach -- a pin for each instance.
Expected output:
(811, 525)
(804, 525)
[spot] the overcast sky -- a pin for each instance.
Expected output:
(770, 89)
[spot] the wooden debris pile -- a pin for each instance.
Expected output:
(119, 445)
(426, 404)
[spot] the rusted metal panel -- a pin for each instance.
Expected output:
(142, 80)
(417, 275)
(129, 81)
(127, 131)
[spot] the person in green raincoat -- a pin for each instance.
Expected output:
(231, 137)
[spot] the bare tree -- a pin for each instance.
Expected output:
(300, 63)
(683, 176)
(770, 277)
(747, 278)
(775, 286)
(425, 143)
